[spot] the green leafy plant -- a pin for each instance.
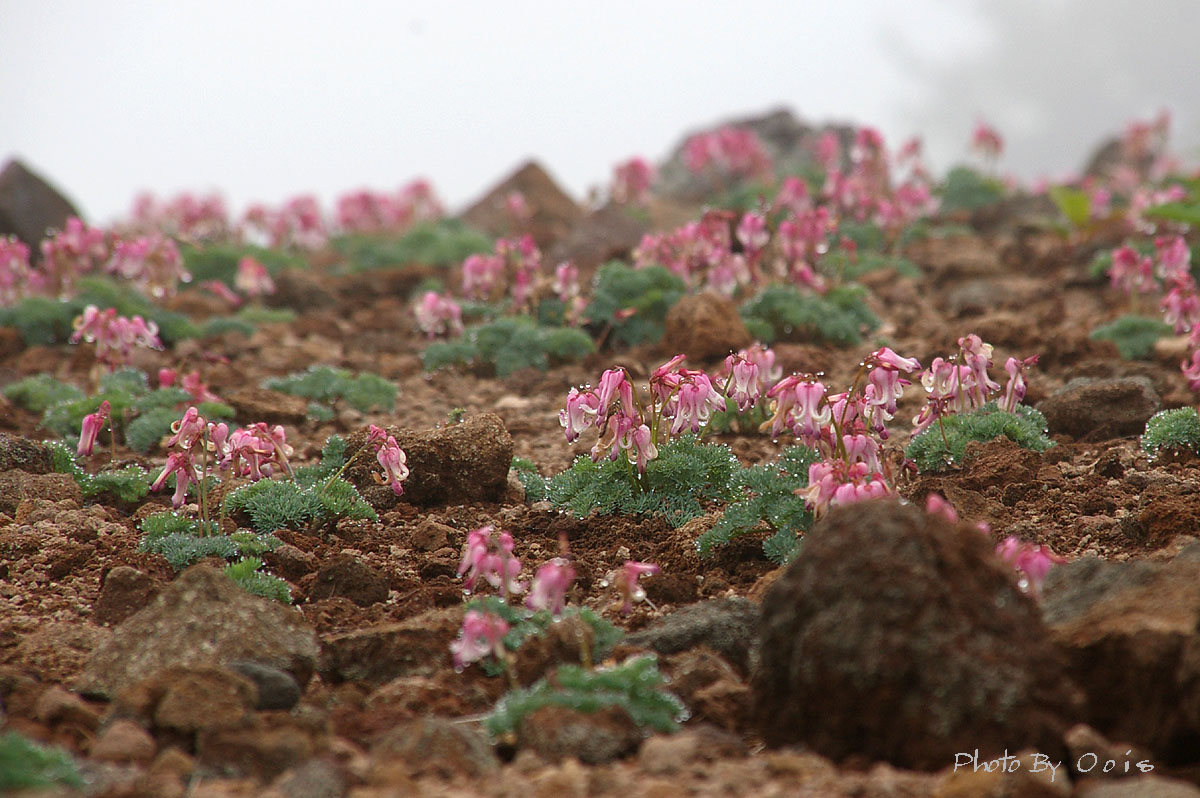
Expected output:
(247, 574)
(26, 765)
(1073, 203)
(676, 484)
(1168, 431)
(635, 686)
(524, 624)
(181, 540)
(943, 444)
(770, 501)
(783, 312)
(41, 391)
(968, 190)
(445, 242)
(509, 344)
(219, 261)
(533, 482)
(1134, 336)
(317, 495)
(633, 302)
(127, 484)
(841, 266)
(325, 384)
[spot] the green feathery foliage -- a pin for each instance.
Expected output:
(685, 474)
(26, 765)
(649, 293)
(247, 574)
(41, 391)
(933, 452)
(635, 686)
(364, 392)
(533, 482)
(128, 484)
(219, 261)
(1172, 430)
(783, 312)
(1134, 336)
(509, 344)
(181, 541)
(968, 190)
(446, 242)
(40, 320)
(770, 500)
(839, 265)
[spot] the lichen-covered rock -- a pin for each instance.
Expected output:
(202, 618)
(727, 626)
(29, 456)
(17, 486)
(591, 737)
(455, 464)
(349, 577)
(436, 746)
(417, 646)
(896, 635)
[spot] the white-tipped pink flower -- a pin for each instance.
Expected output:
(1033, 562)
(1014, 389)
(986, 141)
(631, 181)
(492, 560)
(182, 466)
(615, 385)
(394, 464)
(482, 634)
(625, 580)
(742, 384)
(15, 273)
(753, 234)
(550, 586)
(438, 314)
(92, 424)
(253, 279)
(582, 407)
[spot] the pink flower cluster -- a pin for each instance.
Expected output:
(366, 211)
(151, 262)
(685, 398)
(115, 336)
(185, 216)
(962, 383)
(490, 559)
(482, 635)
(253, 279)
(626, 581)
(732, 152)
(298, 224)
(875, 189)
(438, 314)
(17, 279)
(69, 254)
(484, 277)
(631, 182)
(986, 141)
(748, 374)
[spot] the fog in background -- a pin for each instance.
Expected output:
(264, 100)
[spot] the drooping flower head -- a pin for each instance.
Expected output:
(482, 634)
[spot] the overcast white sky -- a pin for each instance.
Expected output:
(264, 100)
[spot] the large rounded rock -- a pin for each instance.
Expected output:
(1098, 409)
(29, 206)
(202, 618)
(552, 212)
(898, 636)
(705, 326)
(456, 464)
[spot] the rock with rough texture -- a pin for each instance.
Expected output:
(1133, 629)
(456, 464)
(417, 646)
(123, 741)
(552, 212)
(727, 626)
(270, 744)
(610, 233)
(273, 407)
(124, 591)
(202, 618)
(17, 486)
(318, 778)
(300, 291)
(1099, 409)
(189, 699)
(896, 635)
(436, 746)
(705, 326)
(593, 738)
(348, 577)
(29, 456)
(29, 206)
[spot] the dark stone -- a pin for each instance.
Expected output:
(728, 626)
(277, 689)
(1097, 409)
(895, 635)
(29, 206)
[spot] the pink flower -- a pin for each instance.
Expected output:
(482, 634)
(180, 464)
(491, 560)
(581, 412)
(394, 463)
(742, 384)
(615, 385)
(92, 424)
(1014, 389)
(936, 505)
(986, 141)
(480, 274)
(550, 585)
(625, 580)
(801, 405)
(167, 377)
(253, 279)
(15, 274)
(1033, 562)
(1191, 369)
(438, 314)
(752, 233)
(189, 430)
(1131, 272)
(693, 402)
(640, 447)
(631, 182)
(517, 208)
(566, 281)
(1174, 257)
